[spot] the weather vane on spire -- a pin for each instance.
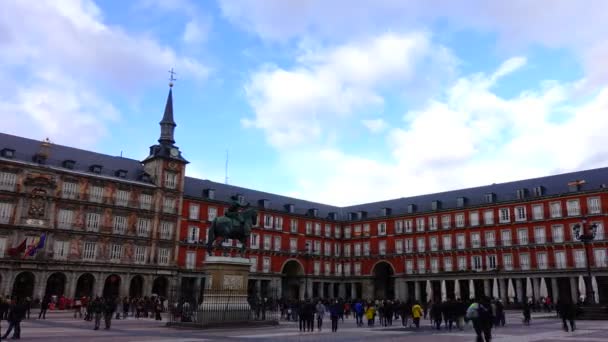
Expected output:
(171, 78)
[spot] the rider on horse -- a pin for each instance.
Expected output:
(234, 211)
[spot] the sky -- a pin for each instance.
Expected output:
(339, 102)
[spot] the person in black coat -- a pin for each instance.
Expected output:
(44, 306)
(15, 316)
(567, 311)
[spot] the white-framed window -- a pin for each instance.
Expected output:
(476, 262)
(560, 259)
(433, 223)
(190, 260)
(169, 205)
(278, 223)
(317, 229)
(122, 197)
(293, 226)
(409, 245)
(446, 222)
(337, 232)
(316, 268)
(166, 230)
(399, 246)
(143, 227)
(408, 225)
(447, 242)
(96, 193)
(115, 252)
(308, 228)
(599, 255)
(6, 212)
(490, 239)
(459, 220)
(434, 265)
(462, 263)
(347, 232)
(120, 225)
(347, 269)
(579, 258)
(254, 264)
(194, 211)
(193, 234)
(140, 254)
(538, 212)
(475, 240)
(520, 213)
(65, 218)
(267, 242)
(420, 245)
(399, 227)
(488, 217)
(434, 243)
(145, 201)
(328, 230)
(507, 261)
(382, 228)
(491, 262)
(522, 236)
(599, 231)
(170, 180)
(267, 221)
(316, 250)
(524, 261)
(557, 233)
(504, 215)
(556, 209)
(420, 224)
(89, 251)
(266, 265)
(61, 250)
(366, 229)
(461, 241)
(594, 205)
(382, 247)
(357, 249)
(163, 256)
(327, 248)
(93, 222)
(409, 266)
(474, 218)
(366, 248)
(357, 230)
(293, 245)
(505, 237)
(69, 190)
(337, 249)
(447, 264)
(357, 268)
(338, 269)
(421, 265)
(541, 260)
(2, 246)
(347, 250)
(328, 268)
(573, 207)
(8, 181)
(277, 243)
(211, 213)
(540, 235)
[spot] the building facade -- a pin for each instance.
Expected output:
(125, 227)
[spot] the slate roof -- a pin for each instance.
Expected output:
(595, 179)
(25, 150)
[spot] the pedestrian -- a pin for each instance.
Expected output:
(334, 312)
(15, 315)
(370, 314)
(359, 313)
(435, 314)
(500, 314)
(417, 312)
(28, 306)
(527, 314)
(480, 313)
(320, 310)
(125, 307)
(109, 308)
(77, 308)
(97, 309)
(567, 311)
(44, 306)
(460, 310)
(158, 309)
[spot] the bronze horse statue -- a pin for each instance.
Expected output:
(228, 228)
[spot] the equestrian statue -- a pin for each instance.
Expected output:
(236, 224)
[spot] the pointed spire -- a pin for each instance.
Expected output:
(167, 125)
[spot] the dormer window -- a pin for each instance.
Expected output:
(489, 197)
(411, 208)
(289, 208)
(538, 191)
(241, 199)
(121, 173)
(522, 194)
(95, 169)
(39, 158)
(436, 205)
(313, 212)
(385, 211)
(333, 216)
(8, 153)
(461, 202)
(209, 193)
(575, 185)
(68, 164)
(362, 215)
(353, 216)
(144, 177)
(264, 203)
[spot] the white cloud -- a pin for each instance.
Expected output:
(195, 32)
(198, 24)
(294, 105)
(375, 125)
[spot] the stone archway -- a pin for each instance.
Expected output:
(84, 285)
(24, 285)
(160, 287)
(55, 284)
(136, 288)
(291, 275)
(111, 288)
(384, 282)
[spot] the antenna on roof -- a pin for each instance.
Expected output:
(120, 153)
(226, 169)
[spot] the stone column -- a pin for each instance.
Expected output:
(353, 291)
(406, 291)
(341, 290)
(100, 280)
(574, 289)
(125, 284)
(40, 284)
(417, 290)
(70, 286)
(258, 288)
(536, 287)
(487, 289)
(6, 287)
(147, 286)
(596, 294)
(368, 289)
(554, 290)
(519, 290)
(502, 289)
(321, 290)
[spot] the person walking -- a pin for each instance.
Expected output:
(417, 313)
(480, 312)
(527, 314)
(334, 314)
(77, 308)
(359, 313)
(97, 308)
(44, 306)
(15, 315)
(435, 314)
(320, 310)
(567, 311)
(109, 308)
(370, 314)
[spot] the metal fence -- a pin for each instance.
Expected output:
(225, 306)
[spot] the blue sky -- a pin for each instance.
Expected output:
(336, 102)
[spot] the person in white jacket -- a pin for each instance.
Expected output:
(320, 310)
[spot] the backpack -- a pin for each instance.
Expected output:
(473, 311)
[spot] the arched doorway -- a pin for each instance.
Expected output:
(159, 287)
(111, 288)
(84, 285)
(384, 283)
(291, 276)
(24, 285)
(136, 289)
(55, 285)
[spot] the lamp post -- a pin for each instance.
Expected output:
(306, 257)
(586, 235)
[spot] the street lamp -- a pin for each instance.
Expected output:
(306, 257)
(587, 236)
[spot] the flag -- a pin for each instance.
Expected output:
(34, 247)
(17, 250)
